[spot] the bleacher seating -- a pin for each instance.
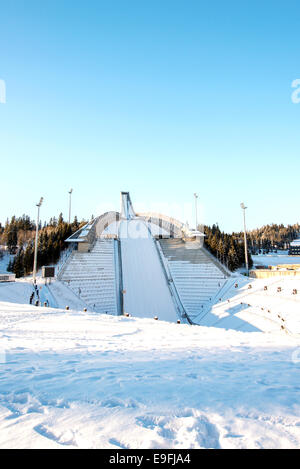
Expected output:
(197, 278)
(92, 276)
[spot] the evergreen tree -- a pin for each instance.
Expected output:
(18, 264)
(221, 250)
(60, 219)
(28, 259)
(233, 260)
(12, 239)
(9, 266)
(75, 224)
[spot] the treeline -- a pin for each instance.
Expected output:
(16, 232)
(18, 235)
(227, 248)
(272, 237)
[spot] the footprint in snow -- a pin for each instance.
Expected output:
(65, 438)
(117, 443)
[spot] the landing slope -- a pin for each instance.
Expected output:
(147, 292)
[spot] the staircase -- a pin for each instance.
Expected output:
(196, 277)
(92, 276)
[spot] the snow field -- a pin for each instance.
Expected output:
(84, 380)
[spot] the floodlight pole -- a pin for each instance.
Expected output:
(245, 238)
(70, 194)
(196, 209)
(36, 239)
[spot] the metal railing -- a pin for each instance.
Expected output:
(119, 276)
(217, 262)
(63, 260)
(173, 290)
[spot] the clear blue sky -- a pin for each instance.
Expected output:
(161, 98)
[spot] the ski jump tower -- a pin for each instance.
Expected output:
(126, 206)
(145, 264)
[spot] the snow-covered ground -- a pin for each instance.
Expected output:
(4, 261)
(281, 257)
(84, 380)
(57, 294)
(257, 309)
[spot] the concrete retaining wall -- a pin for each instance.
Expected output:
(261, 273)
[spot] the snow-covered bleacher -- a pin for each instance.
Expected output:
(196, 277)
(92, 277)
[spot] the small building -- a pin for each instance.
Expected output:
(7, 277)
(295, 248)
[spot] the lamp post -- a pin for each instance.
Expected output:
(70, 194)
(245, 237)
(196, 209)
(123, 301)
(36, 239)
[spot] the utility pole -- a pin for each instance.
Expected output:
(36, 239)
(70, 194)
(123, 301)
(245, 238)
(196, 209)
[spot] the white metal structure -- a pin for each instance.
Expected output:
(120, 267)
(126, 206)
(70, 196)
(196, 210)
(92, 276)
(243, 207)
(36, 239)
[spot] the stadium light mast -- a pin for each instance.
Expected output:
(196, 208)
(70, 194)
(36, 239)
(243, 207)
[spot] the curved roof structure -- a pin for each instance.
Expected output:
(108, 224)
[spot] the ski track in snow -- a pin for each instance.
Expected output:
(84, 380)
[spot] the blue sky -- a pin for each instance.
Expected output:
(161, 98)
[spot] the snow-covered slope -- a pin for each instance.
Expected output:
(241, 308)
(255, 308)
(85, 380)
(4, 261)
(147, 292)
(16, 292)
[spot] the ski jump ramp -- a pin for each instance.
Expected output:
(139, 275)
(146, 290)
